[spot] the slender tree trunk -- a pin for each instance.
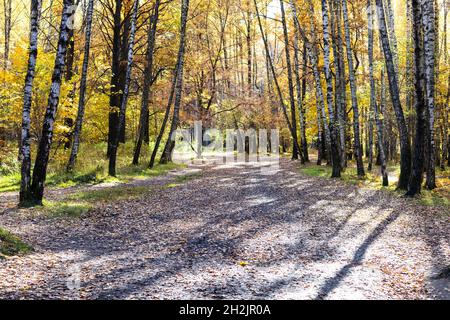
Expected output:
(314, 57)
(272, 69)
(7, 6)
(409, 70)
(373, 101)
(114, 146)
(170, 143)
(114, 98)
(430, 73)
(335, 154)
(391, 32)
(405, 161)
(69, 71)
(123, 69)
(303, 124)
(249, 49)
(295, 151)
(342, 84)
(40, 166)
(302, 151)
(415, 183)
(81, 101)
(356, 128)
(25, 194)
(148, 78)
(340, 105)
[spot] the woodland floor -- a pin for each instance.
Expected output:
(231, 232)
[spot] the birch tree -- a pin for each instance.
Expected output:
(170, 144)
(335, 155)
(42, 157)
(416, 179)
(126, 91)
(353, 88)
(295, 151)
(274, 75)
(83, 81)
(314, 57)
(405, 147)
(304, 145)
(429, 43)
(373, 100)
(25, 181)
(148, 79)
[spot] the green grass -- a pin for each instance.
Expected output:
(11, 245)
(91, 168)
(66, 208)
(372, 180)
(182, 179)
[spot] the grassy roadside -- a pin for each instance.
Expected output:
(438, 197)
(91, 168)
(11, 245)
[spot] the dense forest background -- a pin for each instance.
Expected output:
(94, 88)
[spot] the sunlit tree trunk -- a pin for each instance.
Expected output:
(7, 6)
(303, 152)
(25, 194)
(170, 144)
(429, 36)
(115, 143)
(391, 31)
(335, 154)
(295, 151)
(405, 161)
(340, 104)
(114, 97)
(415, 183)
(314, 58)
(356, 127)
(274, 75)
(82, 97)
(41, 163)
(148, 78)
(373, 101)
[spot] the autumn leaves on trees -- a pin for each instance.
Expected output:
(365, 83)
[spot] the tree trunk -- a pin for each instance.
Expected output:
(335, 154)
(25, 194)
(123, 69)
(40, 166)
(114, 98)
(304, 69)
(428, 18)
(170, 143)
(373, 101)
(303, 152)
(81, 101)
(391, 32)
(339, 96)
(420, 105)
(314, 57)
(295, 151)
(114, 146)
(249, 49)
(356, 129)
(405, 161)
(148, 78)
(7, 6)
(342, 85)
(274, 75)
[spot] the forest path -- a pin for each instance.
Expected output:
(233, 232)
